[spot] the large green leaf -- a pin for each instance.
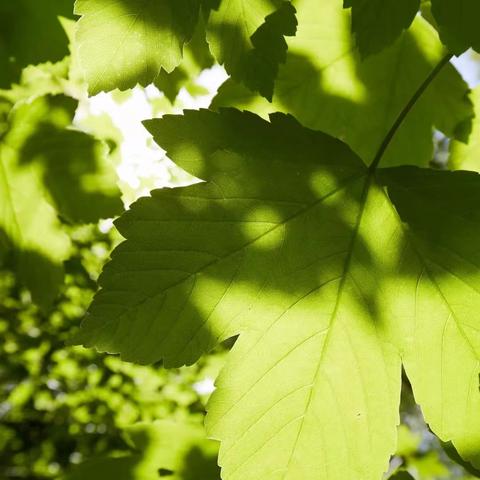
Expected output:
(125, 42)
(31, 33)
(196, 57)
(458, 23)
(378, 23)
(327, 87)
(330, 273)
(276, 198)
(248, 38)
(442, 355)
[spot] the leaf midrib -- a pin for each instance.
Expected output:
(252, 241)
(348, 260)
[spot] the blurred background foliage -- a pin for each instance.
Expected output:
(73, 413)
(61, 405)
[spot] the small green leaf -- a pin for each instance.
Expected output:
(378, 23)
(48, 169)
(122, 43)
(270, 50)
(247, 37)
(458, 23)
(30, 227)
(81, 184)
(31, 33)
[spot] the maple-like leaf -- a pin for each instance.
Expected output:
(332, 273)
(247, 37)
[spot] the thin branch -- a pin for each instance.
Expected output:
(398, 122)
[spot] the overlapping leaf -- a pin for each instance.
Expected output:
(31, 33)
(378, 23)
(466, 156)
(81, 184)
(125, 42)
(401, 475)
(248, 38)
(442, 355)
(144, 40)
(49, 169)
(331, 273)
(458, 23)
(196, 57)
(327, 87)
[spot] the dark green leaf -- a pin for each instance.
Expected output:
(30, 33)
(466, 156)
(401, 475)
(378, 23)
(73, 165)
(458, 23)
(196, 57)
(49, 169)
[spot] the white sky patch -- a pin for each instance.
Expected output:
(468, 65)
(205, 386)
(144, 165)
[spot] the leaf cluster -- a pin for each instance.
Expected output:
(319, 236)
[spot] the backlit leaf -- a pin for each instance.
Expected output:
(125, 42)
(332, 274)
(47, 170)
(247, 37)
